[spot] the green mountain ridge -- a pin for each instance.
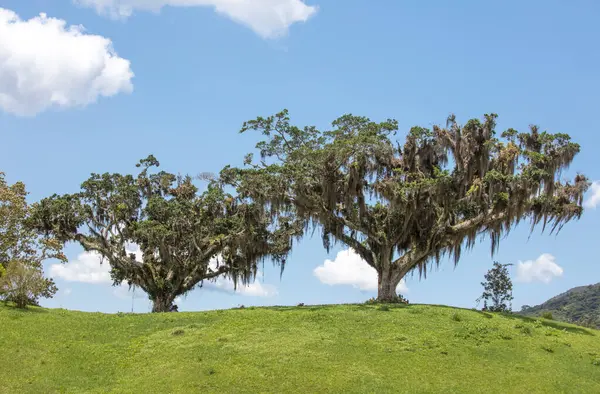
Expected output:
(579, 305)
(310, 349)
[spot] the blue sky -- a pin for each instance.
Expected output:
(182, 80)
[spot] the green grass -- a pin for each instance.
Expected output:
(345, 348)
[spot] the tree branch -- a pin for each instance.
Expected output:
(410, 260)
(107, 252)
(220, 271)
(362, 250)
(201, 275)
(478, 221)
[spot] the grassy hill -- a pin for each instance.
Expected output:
(580, 305)
(345, 348)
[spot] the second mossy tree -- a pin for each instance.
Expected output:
(184, 237)
(402, 207)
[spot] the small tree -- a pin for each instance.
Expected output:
(24, 284)
(178, 230)
(22, 251)
(497, 289)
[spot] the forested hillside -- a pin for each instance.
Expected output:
(579, 305)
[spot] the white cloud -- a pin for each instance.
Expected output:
(67, 292)
(85, 268)
(544, 269)
(255, 289)
(46, 64)
(89, 268)
(594, 199)
(349, 269)
(268, 18)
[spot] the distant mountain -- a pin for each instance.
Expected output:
(580, 305)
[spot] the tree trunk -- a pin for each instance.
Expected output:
(163, 303)
(21, 301)
(389, 276)
(386, 286)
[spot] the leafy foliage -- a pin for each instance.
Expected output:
(497, 289)
(579, 305)
(178, 230)
(547, 315)
(24, 284)
(403, 207)
(22, 251)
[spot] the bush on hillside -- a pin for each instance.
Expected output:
(547, 315)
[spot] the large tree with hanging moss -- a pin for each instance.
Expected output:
(178, 230)
(402, 207)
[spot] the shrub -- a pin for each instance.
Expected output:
(399, 299)
(456, 317)
(526, 330)
(547, 315)
(178, 332)
(548, 349)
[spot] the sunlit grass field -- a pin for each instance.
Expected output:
(335, 349)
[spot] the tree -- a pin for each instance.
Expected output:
(24, 284)
(178, 230)
(497, 288)
(22, 251)
(403, 207)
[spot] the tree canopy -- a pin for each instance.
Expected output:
(178, 230)
(22, 251)
(402, 207)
